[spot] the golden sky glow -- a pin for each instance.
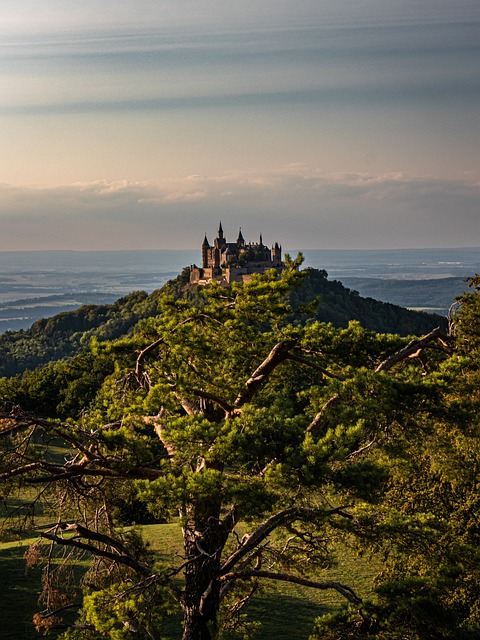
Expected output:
(140, 124)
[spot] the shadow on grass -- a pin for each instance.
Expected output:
(19, 594)
(285, 617)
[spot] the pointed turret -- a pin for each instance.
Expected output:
(221, 239)
(205, 248)
(240, 240)
(277, 253)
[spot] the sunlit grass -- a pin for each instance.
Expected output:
(285, 611)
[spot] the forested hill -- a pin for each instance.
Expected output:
(68, 333)
(338, 304)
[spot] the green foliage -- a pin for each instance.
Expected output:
(119, 612)
(229, 408)
(67, 333)
(429, 509)
(338, 304)
(63, 389)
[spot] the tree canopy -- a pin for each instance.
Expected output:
(269, 442)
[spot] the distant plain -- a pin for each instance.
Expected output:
(38, 284)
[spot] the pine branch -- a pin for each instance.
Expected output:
(344, 590)
(277, 355)
(278, 519)
(122, 556)
(415, 347)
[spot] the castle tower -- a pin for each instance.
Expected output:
(221, 239)
(216, 258)
(205, 248)
(276, 253)
(240, 240)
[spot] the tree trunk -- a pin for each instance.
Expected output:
(201, 601)
(204, 540)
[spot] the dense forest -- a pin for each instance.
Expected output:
(285, 426)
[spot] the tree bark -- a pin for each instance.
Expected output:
(415, 347)
(201, 599)
(204, 538)
(202, 589)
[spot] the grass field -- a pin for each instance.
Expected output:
(284, 611)
(19, 592)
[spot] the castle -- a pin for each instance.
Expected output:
(226, 262)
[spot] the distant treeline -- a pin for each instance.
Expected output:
(21, 314)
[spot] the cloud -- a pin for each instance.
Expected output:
(297, 206)
(153, 70)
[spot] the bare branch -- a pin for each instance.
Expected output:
(354, 454)
(278, 519)
(190, 407)
(45, 616)
(276, 356)
(122, 556)
(221, 402)
(316, 423)
(314, 365)
(344, 590)
(68, 472)
(20, 470)
(139, 372)
(415, 347)
(255, 555)
(161, 431)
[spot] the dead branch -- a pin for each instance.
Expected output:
(121, 556)
(89, 534)
(221, 402)
(237, 607)
(344, 590)
(278, 519)
(140, 374)
(358, 452)
(55, 612)
(314, 365)
(20, 470)
(161, 431)
(255, 555)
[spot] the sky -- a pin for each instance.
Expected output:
(140, 124)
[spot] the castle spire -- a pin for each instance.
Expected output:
(240, 240)
(205, 248)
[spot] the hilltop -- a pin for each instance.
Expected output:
(68, 333)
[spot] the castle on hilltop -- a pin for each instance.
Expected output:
(226, 262)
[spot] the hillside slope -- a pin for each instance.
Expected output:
(338, 304)
(67, 334)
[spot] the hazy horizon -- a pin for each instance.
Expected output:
(141, 124)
